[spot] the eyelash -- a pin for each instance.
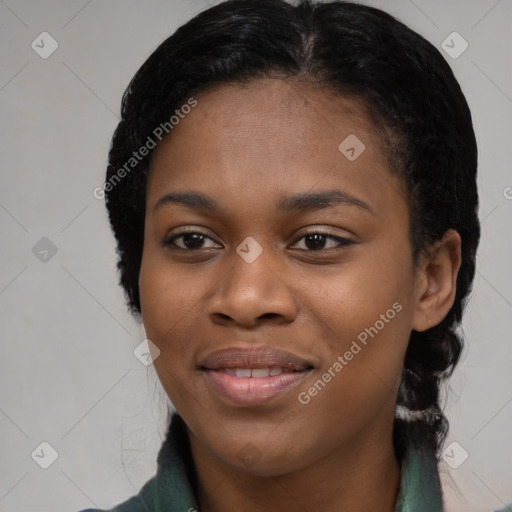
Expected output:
(342, 242)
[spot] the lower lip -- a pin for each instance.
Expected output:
(253, 390)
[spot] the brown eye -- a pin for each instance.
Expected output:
(190, 240)
(316, 241)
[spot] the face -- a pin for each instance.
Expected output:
(280, 295)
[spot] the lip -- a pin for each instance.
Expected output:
(252, 390)
(254, 357)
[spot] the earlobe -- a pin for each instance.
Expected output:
(437, 281)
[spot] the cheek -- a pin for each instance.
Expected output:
(353, 299)
(168, 316)
(367, 339)
(170, 306)
(366, 316)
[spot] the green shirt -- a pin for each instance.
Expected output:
(172, 488)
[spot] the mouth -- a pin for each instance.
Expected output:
(253, 376)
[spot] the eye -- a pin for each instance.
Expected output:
(190, 240)
(195, 241)
(316, 240)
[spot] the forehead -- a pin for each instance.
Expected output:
(260, 110)
(272, 135)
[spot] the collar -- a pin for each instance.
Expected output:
(173, 487)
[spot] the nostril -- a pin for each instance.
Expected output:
(221, 318)
(269, 315)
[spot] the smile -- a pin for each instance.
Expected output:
(253, 386)
(257, 373)
(253, 376)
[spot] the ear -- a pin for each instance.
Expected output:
(437, 281)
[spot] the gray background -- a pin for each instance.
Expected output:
(68, 375)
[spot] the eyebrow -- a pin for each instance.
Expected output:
(302, 202)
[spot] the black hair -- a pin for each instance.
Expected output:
(361, 52)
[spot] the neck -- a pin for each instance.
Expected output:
(358, 476)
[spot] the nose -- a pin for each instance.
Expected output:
(251, 294)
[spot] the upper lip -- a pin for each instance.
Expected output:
(254, 357)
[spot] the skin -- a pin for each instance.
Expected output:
(246, 147)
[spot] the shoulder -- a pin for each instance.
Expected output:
(144, 501)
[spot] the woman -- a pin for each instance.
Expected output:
(293, 194)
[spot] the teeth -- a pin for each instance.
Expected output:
(260, 372)
(254, 372)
